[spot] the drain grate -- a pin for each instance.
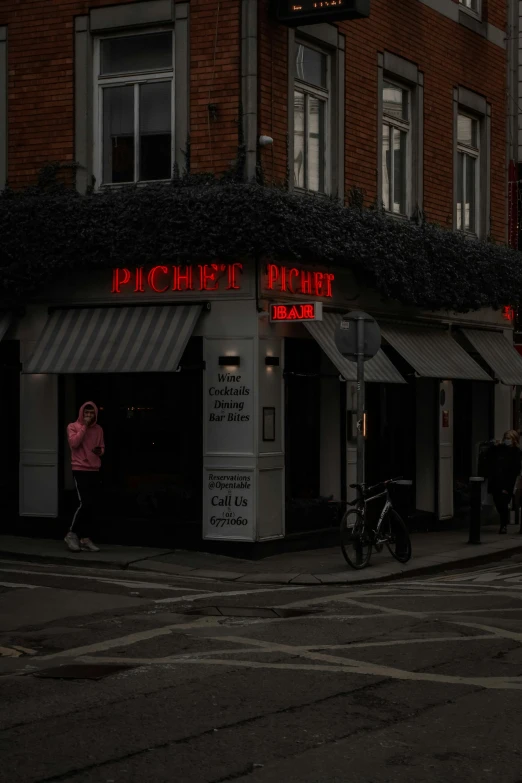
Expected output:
(79, 671)
(248, 611)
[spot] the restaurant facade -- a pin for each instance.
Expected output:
(229, 413)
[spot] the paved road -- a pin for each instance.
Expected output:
(418, 680)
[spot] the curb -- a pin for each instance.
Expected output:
(57, 560)
(270, 577)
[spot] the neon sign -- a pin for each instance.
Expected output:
(508, 313)
(160, 279)
(298, 281)
(312, 311)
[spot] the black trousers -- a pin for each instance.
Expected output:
(88, 489)
(502, 501)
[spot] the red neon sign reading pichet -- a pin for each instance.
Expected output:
(298, 281)
(160, 279)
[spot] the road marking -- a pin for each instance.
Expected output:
(252, 591)
(21, 584)
(105, 580)
(503, 633)
(383, 609)
(344, 666)
(152, 633)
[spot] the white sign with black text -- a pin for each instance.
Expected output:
(229, 397)
(229, 504)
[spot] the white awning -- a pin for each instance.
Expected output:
(498, 352)
(377, 370)
(114, 340)
(433, 353)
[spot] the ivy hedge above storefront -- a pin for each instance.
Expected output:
(50, 229)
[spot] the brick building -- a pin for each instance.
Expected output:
(407, 108)
(232, 54)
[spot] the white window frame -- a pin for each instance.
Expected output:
(137, 78)
(324, 94)
(394, 123)
(473, 7)
(470, 152)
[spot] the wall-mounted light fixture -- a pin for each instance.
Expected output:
(229, 361)
(272, 361)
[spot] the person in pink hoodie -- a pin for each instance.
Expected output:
(85, 438)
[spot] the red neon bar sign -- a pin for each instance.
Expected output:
(298, 281)
(160, 279)
(311, 311)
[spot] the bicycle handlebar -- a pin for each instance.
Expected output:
(364, 490)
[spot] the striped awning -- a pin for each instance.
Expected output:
(498, 353)
(433, 353)
(114, 340)
(5, 323)
(379, 369)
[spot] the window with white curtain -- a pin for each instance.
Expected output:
(311, 119)
(471, 5)
(134, 138)
(396, 148)
(468, 173)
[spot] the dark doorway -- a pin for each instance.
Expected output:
(9, 453)
(152, 469)
(305, 509)
(390, 444)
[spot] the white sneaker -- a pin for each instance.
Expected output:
(72, 542)
(86, 545)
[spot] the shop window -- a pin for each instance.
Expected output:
(134, 108)
(311, 118)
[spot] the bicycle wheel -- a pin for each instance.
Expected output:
(396, 536)
(356, 545)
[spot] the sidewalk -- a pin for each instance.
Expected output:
(432, 553)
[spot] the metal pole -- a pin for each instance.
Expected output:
(360, 402)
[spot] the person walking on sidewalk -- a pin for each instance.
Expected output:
(505, 462)
(85, 438)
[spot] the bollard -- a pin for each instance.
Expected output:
(475, 509)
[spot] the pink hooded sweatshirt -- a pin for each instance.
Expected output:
(83, 440)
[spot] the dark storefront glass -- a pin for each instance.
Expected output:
(153, 463)
(306, 510)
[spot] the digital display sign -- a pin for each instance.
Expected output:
(309, 311)
(301, 12)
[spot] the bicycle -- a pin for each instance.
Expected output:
(358, 537)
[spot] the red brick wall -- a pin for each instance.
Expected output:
(494, 12)
(272, 96)
(41, 86)
(449, 55)
(215, 77)
(41, 100)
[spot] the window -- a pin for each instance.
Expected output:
(396, 148)
(468, 173)
(134, 94)
(311, 119)
(400, 148)
(471, 5)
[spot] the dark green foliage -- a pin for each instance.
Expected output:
(48, 229)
